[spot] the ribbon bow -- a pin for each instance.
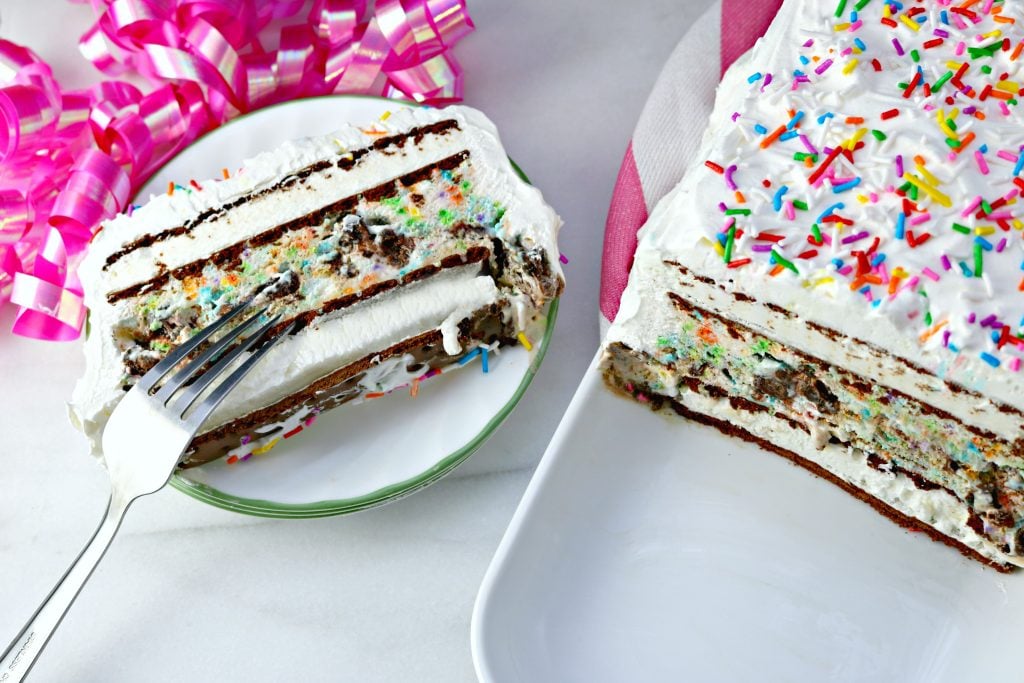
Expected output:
(71, 159)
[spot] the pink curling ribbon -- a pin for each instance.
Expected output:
(72, 159)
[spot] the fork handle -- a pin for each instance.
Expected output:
(18, 659)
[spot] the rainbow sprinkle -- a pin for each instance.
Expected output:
(946, 118)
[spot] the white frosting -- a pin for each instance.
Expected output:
(935, 507)
(688, 220)
(439, 302)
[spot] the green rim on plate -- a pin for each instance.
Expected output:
(327, 508)
(266, 508)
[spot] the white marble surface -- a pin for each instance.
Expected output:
(189, 592)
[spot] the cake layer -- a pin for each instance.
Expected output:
(440, 303)
(258, 209)
(902, 498)
(696, 335)
(317, 225)
(888, 446)
(647, 313)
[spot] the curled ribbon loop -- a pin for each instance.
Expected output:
(15, 216)
(71, 159)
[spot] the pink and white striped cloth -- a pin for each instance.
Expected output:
(670, 127)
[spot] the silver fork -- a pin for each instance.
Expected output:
(166, 419)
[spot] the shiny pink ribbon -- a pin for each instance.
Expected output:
(71, 159)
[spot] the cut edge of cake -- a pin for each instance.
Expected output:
(697, 382)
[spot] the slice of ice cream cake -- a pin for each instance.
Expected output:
(399, 247)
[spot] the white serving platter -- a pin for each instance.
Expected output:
(650, 548)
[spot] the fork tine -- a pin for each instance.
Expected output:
(156, 373)
(177, 380)
(194, 390)
(225, 387)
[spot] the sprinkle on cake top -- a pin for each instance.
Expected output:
(879, 150)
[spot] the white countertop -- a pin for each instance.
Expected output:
(190, 592)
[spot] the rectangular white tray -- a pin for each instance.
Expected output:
(651, 548)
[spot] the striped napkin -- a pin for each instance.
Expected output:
(670, 127)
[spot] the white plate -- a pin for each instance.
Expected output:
(363, 455)
(650, 548)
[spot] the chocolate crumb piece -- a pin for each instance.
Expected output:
(393, 247)
(499, 263)
(786, 383)
(534, 261)
(1000, 518)
(140, 365)
(287, 283)
(374, 220)
(354, 235)
(465, 230)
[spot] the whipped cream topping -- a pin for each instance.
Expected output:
(862, 172)
(439, 302)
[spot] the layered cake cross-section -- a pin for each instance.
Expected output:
(398, 247)
(838, 277)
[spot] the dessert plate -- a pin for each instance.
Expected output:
(363, 455)
(650, 548)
